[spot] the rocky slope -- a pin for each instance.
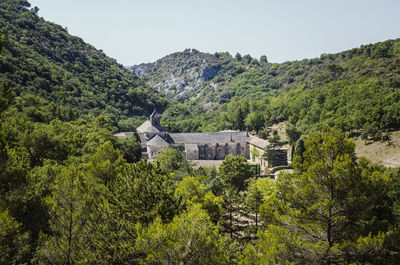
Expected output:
(181, 73)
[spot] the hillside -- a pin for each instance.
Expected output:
(356, 90)
(180, 74)
(209, 80)
(42, 59)
(202, 79)
(384, 153)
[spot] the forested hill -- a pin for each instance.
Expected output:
(210, 79)
(42, 59)
(198, 77)
(354, 90)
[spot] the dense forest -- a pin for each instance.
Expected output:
(72, 193)
(43, 64)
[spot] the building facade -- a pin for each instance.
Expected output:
(196, 146)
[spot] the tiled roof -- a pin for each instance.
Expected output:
(190, 140)
(157, 141)
(143, 138)
(124, 134)
(147, 127)
(260, 143)
(209, 137)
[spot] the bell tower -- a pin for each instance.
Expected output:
(155, 118)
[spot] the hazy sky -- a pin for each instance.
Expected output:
(135, 32)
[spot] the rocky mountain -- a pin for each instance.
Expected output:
(208, 80)
(180, 75)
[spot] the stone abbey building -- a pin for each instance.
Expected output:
(196, 146)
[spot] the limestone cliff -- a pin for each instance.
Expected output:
(180, 74)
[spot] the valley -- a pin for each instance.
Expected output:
(102, 163)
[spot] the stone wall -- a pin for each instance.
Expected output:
(153, 150)
(220, 150)
(192, 155)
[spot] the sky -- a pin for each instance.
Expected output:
(135, 32)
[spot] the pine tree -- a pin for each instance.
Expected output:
(70, 206)
(191, 238)
(324, 212)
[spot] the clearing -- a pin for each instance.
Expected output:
(380, 152)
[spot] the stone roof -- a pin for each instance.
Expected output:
(143, 138)
(148, 127)
(260, 143)
(209, 137)
(191, 140)
(157, 141)
(124, 134)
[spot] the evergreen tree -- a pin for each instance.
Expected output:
(106, 164)
(293, 136)
(190, 191)
(253, 200)
(191, 238)
(13, 241)
(233, 172)
(324, 212)
(70, 207)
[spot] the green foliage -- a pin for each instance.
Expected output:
(234, 171)
(392, 241)
(130, 148)
(69, 207)
(255, 121)
(13, 241)
(190, 238)
(67, 195)
(351, 90)
(172, 160)
(254, 154)
(6, 97)
(41, 58)
(272, 150)
(263, 60)
(259, 191)
(253, 198)
(106, 164)
(129, 124)
(293, 136)
(189, 191)
(143, 193)
(326, 210)
(277, 168)
(42, 144)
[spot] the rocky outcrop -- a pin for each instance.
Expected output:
(179, 74)
(205, 79)
(209, 73)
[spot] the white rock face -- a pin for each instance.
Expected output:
(180, 75)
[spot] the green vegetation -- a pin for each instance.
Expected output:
(331, 209)
(72, 193)
(356, 91)
(40, 58)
